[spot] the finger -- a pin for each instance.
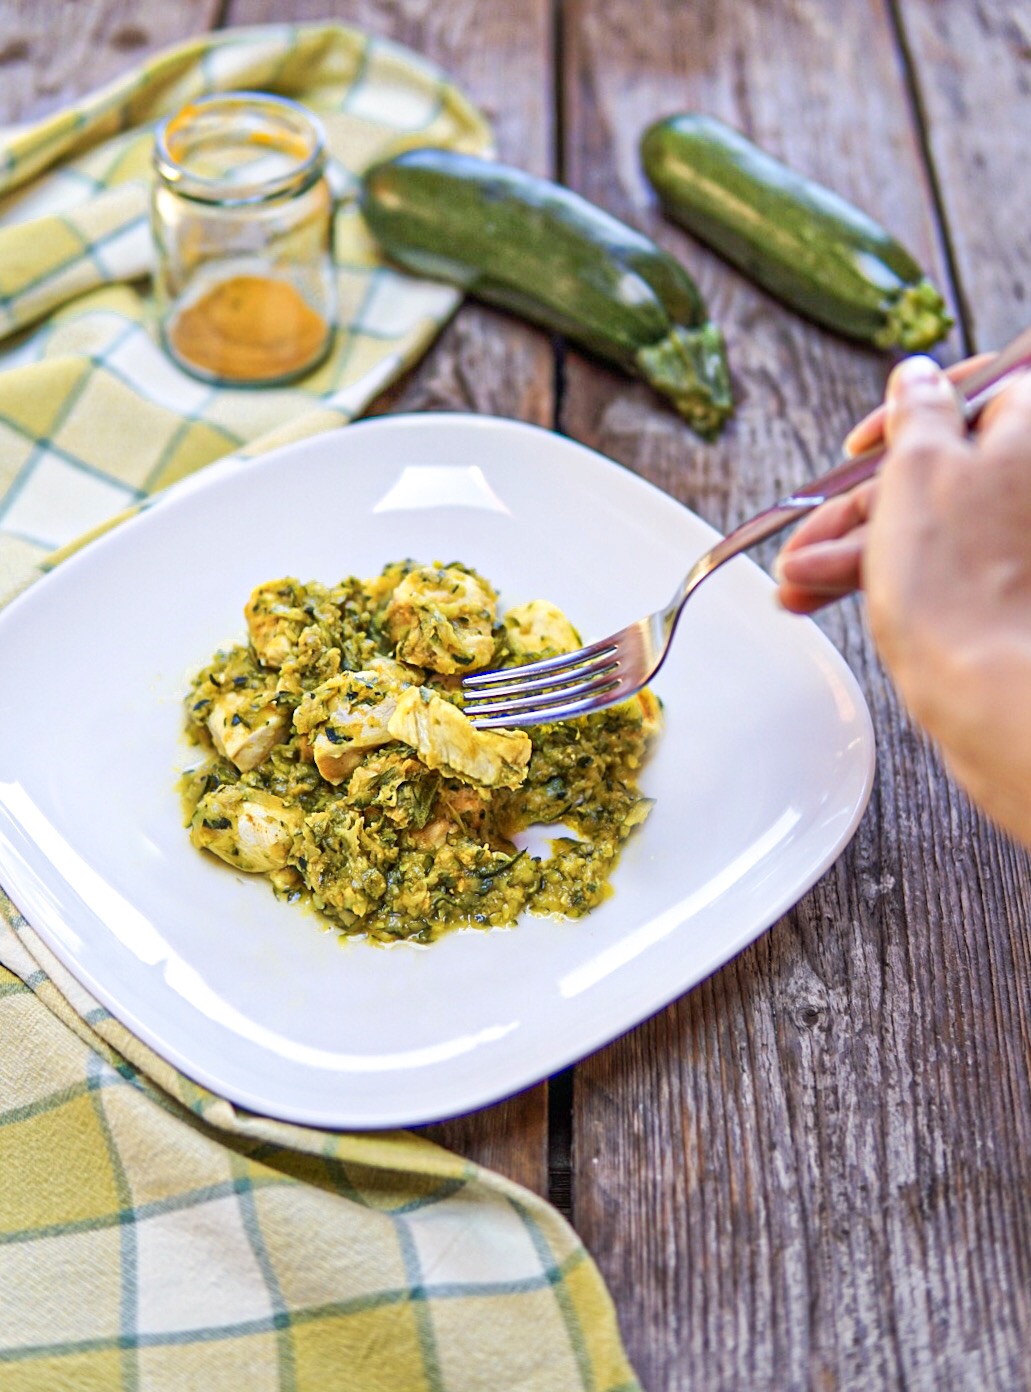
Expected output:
(796, 599)
(822, 561)
(833, 519)
(871, 428)
(921, 403)
(823, 572)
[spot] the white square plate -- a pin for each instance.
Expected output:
(760, 777)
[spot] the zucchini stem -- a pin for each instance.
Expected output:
(914, 320)
(689, 366)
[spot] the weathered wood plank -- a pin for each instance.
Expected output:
(51, 54)
(971, 73)
(812, 1170)
(483, 361)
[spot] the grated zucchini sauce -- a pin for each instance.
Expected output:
(336, 760)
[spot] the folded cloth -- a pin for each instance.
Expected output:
(152, 1235)
(93, 415)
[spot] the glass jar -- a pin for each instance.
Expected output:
(242, 217)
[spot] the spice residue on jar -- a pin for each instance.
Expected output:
(241, 218)
(249, 328)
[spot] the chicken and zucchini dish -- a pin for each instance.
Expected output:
(338, 763)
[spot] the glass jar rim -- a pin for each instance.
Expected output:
(294, 120)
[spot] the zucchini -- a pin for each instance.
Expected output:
(798, 240)
(540, 250)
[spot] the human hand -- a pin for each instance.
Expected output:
(942, 546)
(821, 560)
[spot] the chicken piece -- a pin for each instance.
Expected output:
(379, 589)
(276, 618)
(349, 714)
(336, 765)
(651, 711)
(446, 739)
(441, 617)
(431, 836)
(539, 629)
(247, 828)
(245, 726)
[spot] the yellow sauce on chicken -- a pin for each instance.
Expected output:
(339, 764)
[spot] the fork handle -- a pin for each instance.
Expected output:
(976, 391)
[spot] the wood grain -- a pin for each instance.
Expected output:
(52, 53)
(818, 1158)
(971, 79)
(484, 361)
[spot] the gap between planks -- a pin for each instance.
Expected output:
(918, 111)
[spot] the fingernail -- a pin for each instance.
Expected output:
(784, 565)
(918, 368)
(849, 444)
(916, 382)
(919, 377)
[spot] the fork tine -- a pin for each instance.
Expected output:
(518, 685)
(545, 665)
(521, 700)
(545, 715)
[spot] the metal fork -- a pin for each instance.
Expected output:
(617, 667)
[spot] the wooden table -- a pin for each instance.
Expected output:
(813, 1171)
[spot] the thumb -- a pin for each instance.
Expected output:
(919, 394)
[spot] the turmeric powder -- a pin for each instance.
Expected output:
(249, 329)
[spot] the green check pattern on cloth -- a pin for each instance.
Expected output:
(152, 1235)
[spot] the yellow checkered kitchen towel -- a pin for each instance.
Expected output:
(153, 1236)
(93, 415)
